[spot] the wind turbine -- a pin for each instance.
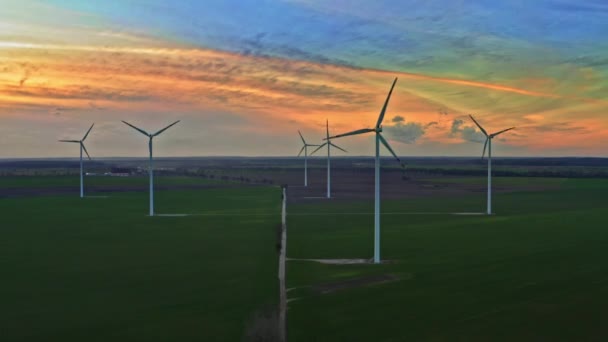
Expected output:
(379, 139)
(488, 144)
(150, 167)
(305, 150)
(329, 144)
(81, 142)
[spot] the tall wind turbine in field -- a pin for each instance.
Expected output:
(379, 140)
(329, 144)
(305, 150)
(488, 144)
(82, 148)
(150, 166)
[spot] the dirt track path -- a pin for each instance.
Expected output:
(282, 261)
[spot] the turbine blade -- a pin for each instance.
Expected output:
(338, 147)
(478, 125)
(318, 148)
(388, 147)
(70, 141)
(359, 131)
(89, 131)
(303, 141)
(381, 117)
(166, 128)
(138, 129)
(500, 132)
(484, 148)
(302, 150)
(327, 127)
(85, 150)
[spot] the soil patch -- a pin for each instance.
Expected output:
(354, 184)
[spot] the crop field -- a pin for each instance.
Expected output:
(99, 269)
(535, 271)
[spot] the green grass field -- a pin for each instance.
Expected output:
(536, 271)
(99, 269)
(499, 181)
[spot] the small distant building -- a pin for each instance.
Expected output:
(119, 172)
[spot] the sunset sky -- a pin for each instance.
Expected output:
(244, 76)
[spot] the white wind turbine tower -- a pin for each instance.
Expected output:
(488, 144)
(81, 142)
(329, 144)
(379, 139)
(305, 150)
(150, 166)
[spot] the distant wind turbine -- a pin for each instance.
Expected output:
(305, 150)
(379, 139)
(329, 144)
(150, 166)
(81, 142)
(488, 144)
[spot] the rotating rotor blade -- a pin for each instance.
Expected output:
(302, 150)
(301, 137)
(500, 132)
(327, 128)
(138, 129)
(484, 148)
(338, 147)
(318, 148)
(85, 150)
(381, 117)
(89, 131)
(388, 147)
(478, 125)
(70, 141)
(166, 128)
(359, 131)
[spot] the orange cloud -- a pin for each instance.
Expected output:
(283, 93)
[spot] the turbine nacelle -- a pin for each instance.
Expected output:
(489, 137)
(305, 144)
(378, 127)
(150, 135)
(81, 142)
(327, 142)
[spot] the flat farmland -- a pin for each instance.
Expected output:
(534, 271)
(100, 269)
